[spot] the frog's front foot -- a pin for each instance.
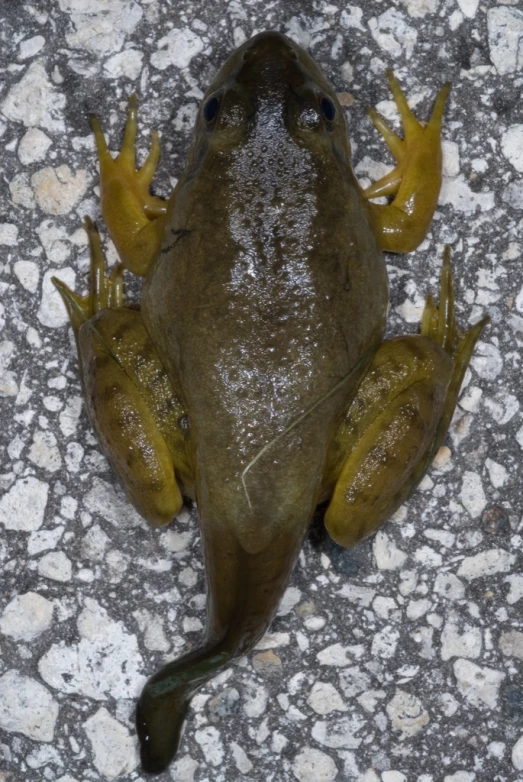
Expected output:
(415, 182)
(135, 218)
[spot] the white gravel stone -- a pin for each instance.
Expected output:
(460, 639)
(105, 663)
(469, 7)
(70, 416)
(44, 451)
(26, 617)
(103, 500)
(177, 48)
(127, 63)
(460, 776)
(31, 46)
(478, 685)
(28, 273)
(291, 597)
(516, 588)
(393, 34)
(407, 714)
(512, 139)
(33, 146)
(211, 745)
(472, 495)
(517, 754)
(487, 361)
(21, 191)
(486, 563)
(511, 644)
(27, 707)
(184, 769)
(35, 101)
(113, 747)
(243, 764)
(311, 765)
(449, 585)
(8, 234)
(393, 776)
(324, 699)
(456, 192)
(420, 8)
(100, 26)
(58, 190)
(44, 539)
(502, 407)
(498, 475)
(340, 733)
(505, 35)
(387, 555)
(22, 508)
(56, 566)
(337, 655)
(52, 312)
(151, 625)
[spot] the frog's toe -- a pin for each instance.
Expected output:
(106, 291)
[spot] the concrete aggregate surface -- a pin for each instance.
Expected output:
(397, 661)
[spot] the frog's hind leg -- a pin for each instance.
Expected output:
(398, 419)
(415, 182)
(133, 406)
(135, 219)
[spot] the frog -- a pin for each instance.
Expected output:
(255, 379)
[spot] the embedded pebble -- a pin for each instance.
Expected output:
(517, 754)
(33, 146)
(52, 312)
(58, 190)
(407, 713)
(44, 452)
(26, 617)
(324, 699)
(104, 663)
(28, 273)
(339, 733)
(393, 34)
(56, 565)
(100, 28)
(460, 639)
(486, 563)
(505, 32)
(113, 747)
(177, 48)
(387, 555)
(312, 765)
(27, 707)
(472, 495)
(35, 101)
(127, 63)
(478, 685)
(511, 644)
(211, 745)
(22, 508)
(243, 764)
(8, 234)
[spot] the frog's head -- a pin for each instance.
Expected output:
(270, 87)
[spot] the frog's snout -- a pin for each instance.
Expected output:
(270, 45)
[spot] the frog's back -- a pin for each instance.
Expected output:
(270, 290)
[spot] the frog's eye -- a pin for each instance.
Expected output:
(210, 110)
(328, 109)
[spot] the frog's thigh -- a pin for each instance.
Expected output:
(387, 435)
(115, 376)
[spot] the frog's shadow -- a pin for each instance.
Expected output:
(352, 562)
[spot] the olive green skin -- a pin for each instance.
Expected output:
(269, 290)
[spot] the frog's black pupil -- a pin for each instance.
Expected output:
(328, 108)
(210, 110)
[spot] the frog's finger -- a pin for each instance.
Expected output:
(147, 171)
(127, 153)
(393, 141)
(78, 307)
(101, 144)
(439, 107)
(115, 285)
(446, 326)
(408, 120)
(386, 186)
(99, 292)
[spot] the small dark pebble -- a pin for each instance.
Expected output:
(512, 703)
(495, 520)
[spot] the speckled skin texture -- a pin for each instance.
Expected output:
(399, 660)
